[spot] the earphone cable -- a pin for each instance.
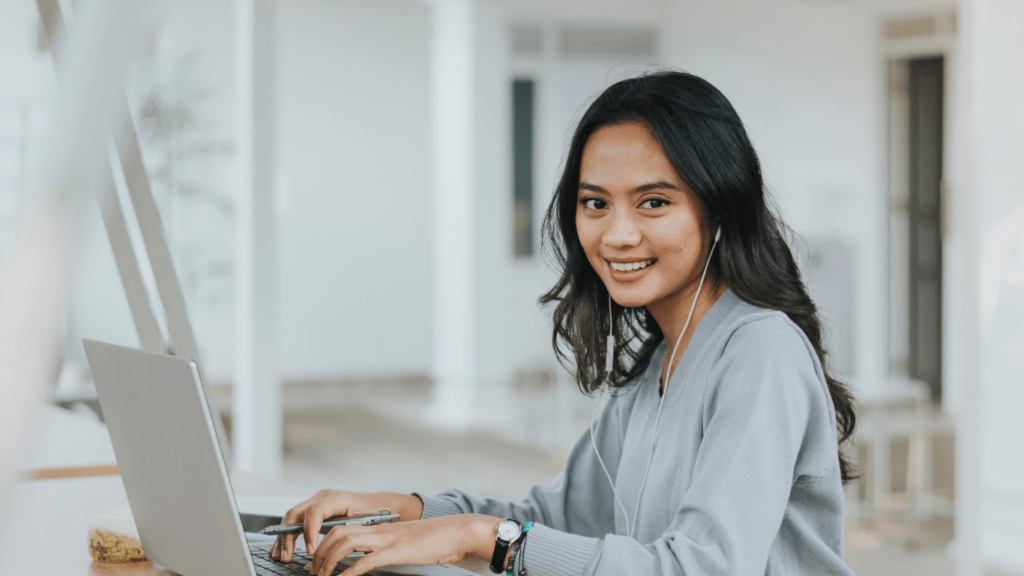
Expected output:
(609, 359)
(593, 415)
(665, 378)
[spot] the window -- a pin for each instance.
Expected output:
(522, 167)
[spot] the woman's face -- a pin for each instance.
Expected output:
(640, 225)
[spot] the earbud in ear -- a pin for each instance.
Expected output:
(718, 234)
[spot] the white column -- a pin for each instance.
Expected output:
(256, 397)
(452, 106)
(989, 187)
(963, 226)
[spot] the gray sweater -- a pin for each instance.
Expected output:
(745, 477)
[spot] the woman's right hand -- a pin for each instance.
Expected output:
(331, 503)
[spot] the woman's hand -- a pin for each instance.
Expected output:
(440, 540)
(330, 503)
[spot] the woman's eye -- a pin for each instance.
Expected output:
(653, 203)
(593, 203)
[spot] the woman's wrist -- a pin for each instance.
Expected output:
(482, 532)
(407, 506)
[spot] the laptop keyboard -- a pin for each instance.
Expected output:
(265, 566)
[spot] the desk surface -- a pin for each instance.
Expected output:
(45, 526)
(47, 532)
(51, 520)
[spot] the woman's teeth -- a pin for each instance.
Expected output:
(628, 266)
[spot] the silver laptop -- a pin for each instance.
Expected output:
(162, 431)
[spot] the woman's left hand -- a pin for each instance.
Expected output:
(440, 540)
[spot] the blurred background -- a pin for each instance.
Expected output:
(351, 193)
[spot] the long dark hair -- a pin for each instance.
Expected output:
(704, 139)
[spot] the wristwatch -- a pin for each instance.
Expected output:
(508, 532)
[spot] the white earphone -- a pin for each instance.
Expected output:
(609, 360)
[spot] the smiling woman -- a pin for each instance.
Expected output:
(744, 473)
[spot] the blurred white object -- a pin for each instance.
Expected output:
(62, 439)
(127, 156)
(32, 283)
(31, 291)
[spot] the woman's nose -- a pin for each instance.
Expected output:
(622, 234)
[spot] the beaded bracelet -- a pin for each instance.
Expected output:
(511, 570)
(522, 549)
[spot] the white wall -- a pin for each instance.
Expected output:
(589, 11)
(355, 291)
(495, 315)
(202, 235)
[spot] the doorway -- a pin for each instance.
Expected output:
(916, 111)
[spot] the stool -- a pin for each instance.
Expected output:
(902, 411)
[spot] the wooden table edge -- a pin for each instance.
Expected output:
(76, 472)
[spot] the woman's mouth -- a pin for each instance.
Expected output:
(631, 266)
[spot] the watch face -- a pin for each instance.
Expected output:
(508, 530)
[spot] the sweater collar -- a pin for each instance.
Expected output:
(707, 326)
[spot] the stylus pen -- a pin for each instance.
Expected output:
(368, 520)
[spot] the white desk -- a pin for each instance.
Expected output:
(48, 528)
(45, 531)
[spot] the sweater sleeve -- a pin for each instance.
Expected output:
(575, 509)
(756, 413)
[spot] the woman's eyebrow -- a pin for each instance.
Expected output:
(656, 186)
(659, 185)
(592, 187)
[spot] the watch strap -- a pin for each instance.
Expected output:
(501, 549)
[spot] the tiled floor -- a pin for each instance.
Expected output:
(369, 438)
